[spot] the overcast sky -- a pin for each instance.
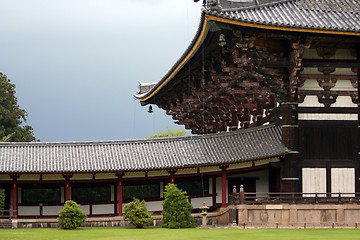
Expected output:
(75, 63)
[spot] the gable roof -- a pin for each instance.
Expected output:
(331, 15)
(334, 17)
(137, 155)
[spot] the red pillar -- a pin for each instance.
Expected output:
(67, 177)
(67, 191)
(120, 197)
(172, 178)
(15, 207)
(223, 188)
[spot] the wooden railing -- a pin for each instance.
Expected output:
(293, 198)
(6, 214)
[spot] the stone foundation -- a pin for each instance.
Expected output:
(243, 216)
(299, 215)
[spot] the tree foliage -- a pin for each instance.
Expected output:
(12, 117)
(176, 208)
(137, 214)
(168, 133)
(71, 216)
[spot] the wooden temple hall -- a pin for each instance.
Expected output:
(270, 92)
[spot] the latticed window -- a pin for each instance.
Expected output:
(41, 195)
(143, 191)
(91, 194)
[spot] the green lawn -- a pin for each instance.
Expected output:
(170, 234)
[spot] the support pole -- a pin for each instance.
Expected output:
(67, 177)
(223, 186)
(67, 190)
(15, 207)
(172, 175)
(120, 196)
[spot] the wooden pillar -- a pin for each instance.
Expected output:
(223, 186)
(120, 193)
(172, 175)
(67, 186)
(290, 126)
(357, 172)
(14, 194)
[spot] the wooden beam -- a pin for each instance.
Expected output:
(343, 110)
(337, 63)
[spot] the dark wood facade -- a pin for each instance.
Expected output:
(305, 81)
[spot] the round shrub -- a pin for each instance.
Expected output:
(71, 216)
(137, 214)
(176, 208)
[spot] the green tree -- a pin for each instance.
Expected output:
(176, 208)
(168, 133)
(71, 216)
(137, 214)
(12, 117)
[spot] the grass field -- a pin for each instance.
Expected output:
(173, 234)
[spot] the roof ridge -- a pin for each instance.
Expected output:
(136, 141)
(258, 5)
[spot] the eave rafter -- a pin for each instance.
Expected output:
(233, 90)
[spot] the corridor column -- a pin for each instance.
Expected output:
(15, 191)
(223, 185)
(67, 186)
(172, 175)
(120, 193)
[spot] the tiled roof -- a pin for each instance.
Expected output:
(232, 147)
(332, 15)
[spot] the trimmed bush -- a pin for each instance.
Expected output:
(137, 214)
(71, 216)
(176, 209)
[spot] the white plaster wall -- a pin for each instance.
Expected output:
(158, 173)
(186, 171)
(240, 165)
(262, 181)
(327, 116)
(343, 85)
(211, 169)
(198, 202)
(105, 176)
(86, 209)
(313, 181)
(29, 177)
(154, 206)
(28, 210)
(103, 209)
(343, 181)
(5, 177)
(51, 210)
(343, 101)
(311, 101)
(52, 177)
(130, 175)
(82, 176)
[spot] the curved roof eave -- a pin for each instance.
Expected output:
(199, 38)
(201, 35)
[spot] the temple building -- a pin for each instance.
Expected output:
(269, 90)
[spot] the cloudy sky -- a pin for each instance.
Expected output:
(76, 63)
